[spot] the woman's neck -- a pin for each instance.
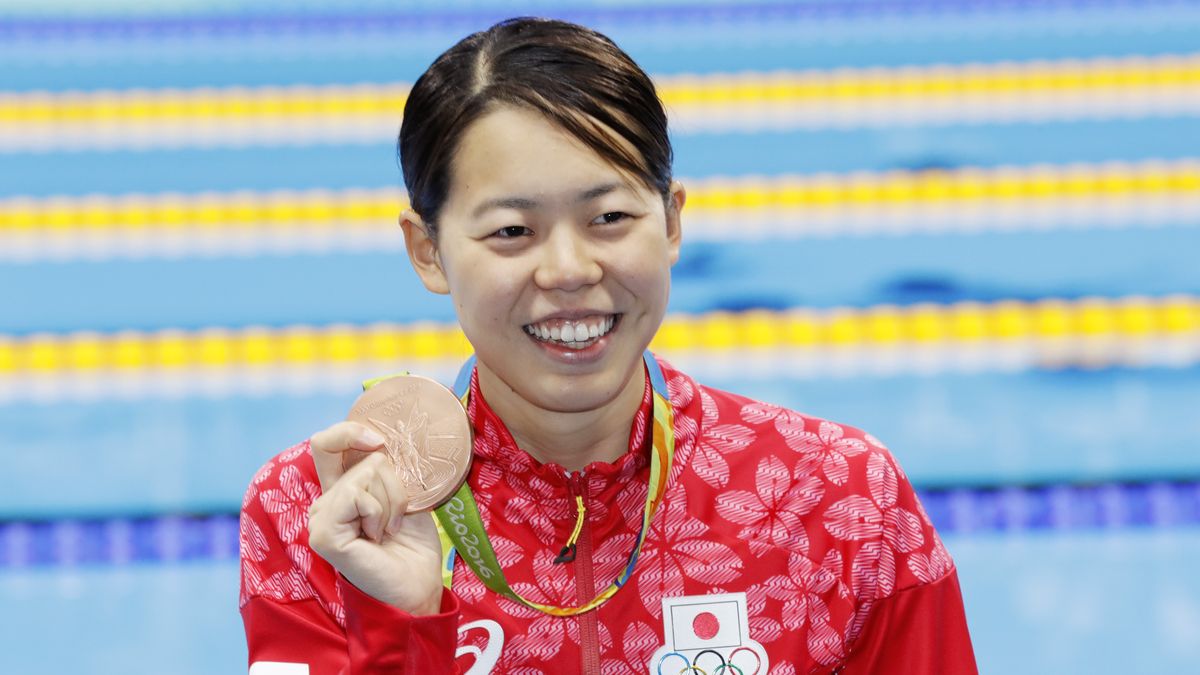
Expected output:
(570, 439)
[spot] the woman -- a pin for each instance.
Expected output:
(643, 522)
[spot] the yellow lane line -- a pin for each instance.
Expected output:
(369, 208)
(1101, 75)
(1126, 319)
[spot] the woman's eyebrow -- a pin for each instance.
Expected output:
(598, 191)
(519, 203)
(529, 203)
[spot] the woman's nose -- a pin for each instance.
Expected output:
(567, 262)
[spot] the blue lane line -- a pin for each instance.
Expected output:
(120, 541)
(267, 58)
(133, 26)
(841, 271)
(1107, 506)
(957, 511)
(336, 58)
(759, 153)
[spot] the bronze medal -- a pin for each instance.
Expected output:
(428, 436)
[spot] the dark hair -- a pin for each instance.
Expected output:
(576, 77)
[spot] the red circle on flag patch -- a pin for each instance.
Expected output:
(705, 625)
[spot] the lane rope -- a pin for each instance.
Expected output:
(955, 511)
(1127, 319)
(342, 211)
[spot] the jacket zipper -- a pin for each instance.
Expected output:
(585, 588)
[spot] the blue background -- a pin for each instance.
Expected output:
(118, 514)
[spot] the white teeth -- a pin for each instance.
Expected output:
(575, 335)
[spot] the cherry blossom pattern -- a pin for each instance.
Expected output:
(545, 634)
(289, 503)
(529, 504)
(292, 583)
(294, 452)
(773, 514)
(681, 389)
(932, 567)
(679, 551)
(636, 647)
(783, 419)
(788, 424)
(878, 444)
(263, 474)
(708, 460)
(763, 625)
(829, 446)
(610, 557)
(879, 522)
(530, 652)
(287, 585)
(805, 591)
(288, 506)
(683, 393)
(267, 471)
(254, 549)
(631, 501)
(491, 471)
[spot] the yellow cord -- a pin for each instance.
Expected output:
(567, 554)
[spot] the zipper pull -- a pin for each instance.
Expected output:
(567, 553)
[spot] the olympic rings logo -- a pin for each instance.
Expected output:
(723, 666)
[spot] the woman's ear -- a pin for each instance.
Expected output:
(675, 202)
(423, 252)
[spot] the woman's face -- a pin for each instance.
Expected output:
(558, 264)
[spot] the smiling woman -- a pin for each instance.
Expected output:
(544, 245)
(618, 516)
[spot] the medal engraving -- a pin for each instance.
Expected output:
(426, 433)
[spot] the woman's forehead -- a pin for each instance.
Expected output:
(512, 153)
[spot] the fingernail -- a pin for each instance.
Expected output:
(371, 437)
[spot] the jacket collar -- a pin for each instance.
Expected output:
(495, 445)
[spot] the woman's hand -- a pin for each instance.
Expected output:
(359, 524)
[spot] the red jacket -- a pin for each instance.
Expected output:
(805, 536)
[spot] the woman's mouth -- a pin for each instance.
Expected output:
(573, 333)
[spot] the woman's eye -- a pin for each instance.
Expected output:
(511, 231)
(610, 217)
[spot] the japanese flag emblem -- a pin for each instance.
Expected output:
(710, 634)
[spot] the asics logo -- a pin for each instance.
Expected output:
(485, 658)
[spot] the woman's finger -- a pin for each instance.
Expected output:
(397, 495)
(371, 514)
(330, 444)
(375, 488)
(350, 508)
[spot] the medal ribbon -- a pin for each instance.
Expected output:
(461, 528)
